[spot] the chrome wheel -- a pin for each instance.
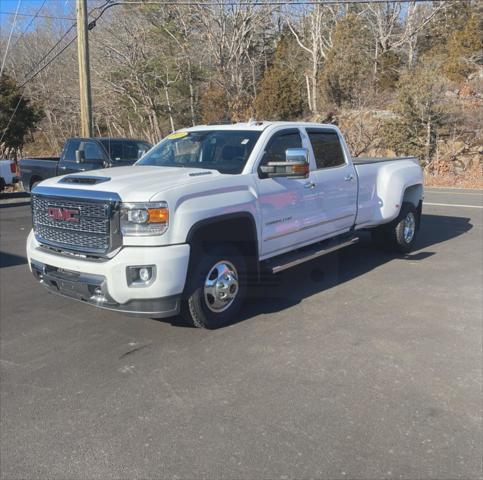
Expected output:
(221, 286)
(409, 227)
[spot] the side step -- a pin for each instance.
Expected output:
(291, 259)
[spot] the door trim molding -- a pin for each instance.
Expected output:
(307, 227)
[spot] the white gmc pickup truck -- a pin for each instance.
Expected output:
(202, 214)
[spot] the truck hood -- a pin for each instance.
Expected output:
(133, 184)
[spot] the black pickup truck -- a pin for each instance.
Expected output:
(82, 154)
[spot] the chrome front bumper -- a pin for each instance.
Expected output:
(92, 289)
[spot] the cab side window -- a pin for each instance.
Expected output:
(93, 152)
(327, 148)
(70, 149)
(281, 141)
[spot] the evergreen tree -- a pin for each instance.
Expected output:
(347, 68)
(214, 105)
(279, 94)
(17, 116)
(420, 113)
(461, 46)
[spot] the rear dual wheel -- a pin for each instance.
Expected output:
(400, 234)
(216, 287)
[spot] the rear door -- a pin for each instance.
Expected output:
(288, 205)
(336, 182)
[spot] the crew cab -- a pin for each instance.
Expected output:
(82, 154)
(207, 211)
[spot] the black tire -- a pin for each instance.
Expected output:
(198, 307)
(2, 184)
(398, 235)
(34, 183)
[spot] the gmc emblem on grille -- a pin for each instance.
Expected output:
(63, 214)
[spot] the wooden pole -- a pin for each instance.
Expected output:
(84, 69)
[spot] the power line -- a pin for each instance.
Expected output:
(11, 117)
(30, 23)
(37, 16)
(52, 49)
(71, 41)
(10, 37)
(91, 25)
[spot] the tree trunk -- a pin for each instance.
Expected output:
(192, 92)
(315, 71)
(168, 104)
(428, 146)
(376, 55)
(309, 98)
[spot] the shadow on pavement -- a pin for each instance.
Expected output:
(20, 203)
(7, 195)
(289, 288)
(11, 260)
(14, 199)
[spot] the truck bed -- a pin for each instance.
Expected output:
(381, 184)
(33, 170)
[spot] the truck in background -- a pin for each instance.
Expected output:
(82, 154)
(8, 173)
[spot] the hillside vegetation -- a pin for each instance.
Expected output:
(402, 79)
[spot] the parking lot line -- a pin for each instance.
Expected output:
(454, 193)
(452, 205)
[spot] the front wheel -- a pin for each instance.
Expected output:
(216, 287)
(400, 235)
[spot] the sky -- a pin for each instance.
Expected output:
(63, 8)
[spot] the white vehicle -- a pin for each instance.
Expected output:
(204, 212)
(8, 173)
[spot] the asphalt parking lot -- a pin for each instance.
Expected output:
(361, 365)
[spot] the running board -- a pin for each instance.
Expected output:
(291, 259)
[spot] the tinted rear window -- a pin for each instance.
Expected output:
(327, 148)
(125, 150)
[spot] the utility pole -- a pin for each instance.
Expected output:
(84, 69)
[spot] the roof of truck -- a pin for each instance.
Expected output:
(255, 125)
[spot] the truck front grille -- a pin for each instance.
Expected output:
(75, 225)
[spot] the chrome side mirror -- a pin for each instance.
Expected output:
(80, 156)
(296, 165)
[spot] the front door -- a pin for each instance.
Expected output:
(94, 157)
(287, 204)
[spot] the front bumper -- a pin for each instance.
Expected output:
(104, 284)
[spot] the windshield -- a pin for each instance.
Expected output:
(125, 150)
(224, 150)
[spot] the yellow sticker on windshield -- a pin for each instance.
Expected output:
(177, 135)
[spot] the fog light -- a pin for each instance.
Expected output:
(140, 276)
(144, 274)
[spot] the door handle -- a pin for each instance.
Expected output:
(309, 185)
(349, 178)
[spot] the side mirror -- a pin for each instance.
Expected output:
(80, 156)
(296, 165)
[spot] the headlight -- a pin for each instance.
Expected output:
(144, 219)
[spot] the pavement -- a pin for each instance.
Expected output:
(360, 365)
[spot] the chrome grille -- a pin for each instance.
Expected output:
(91, 234)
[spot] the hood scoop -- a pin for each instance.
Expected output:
(199, 174)
(84, 180)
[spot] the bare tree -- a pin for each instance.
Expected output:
(229, 35)
(312, 31)
(395, 26)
